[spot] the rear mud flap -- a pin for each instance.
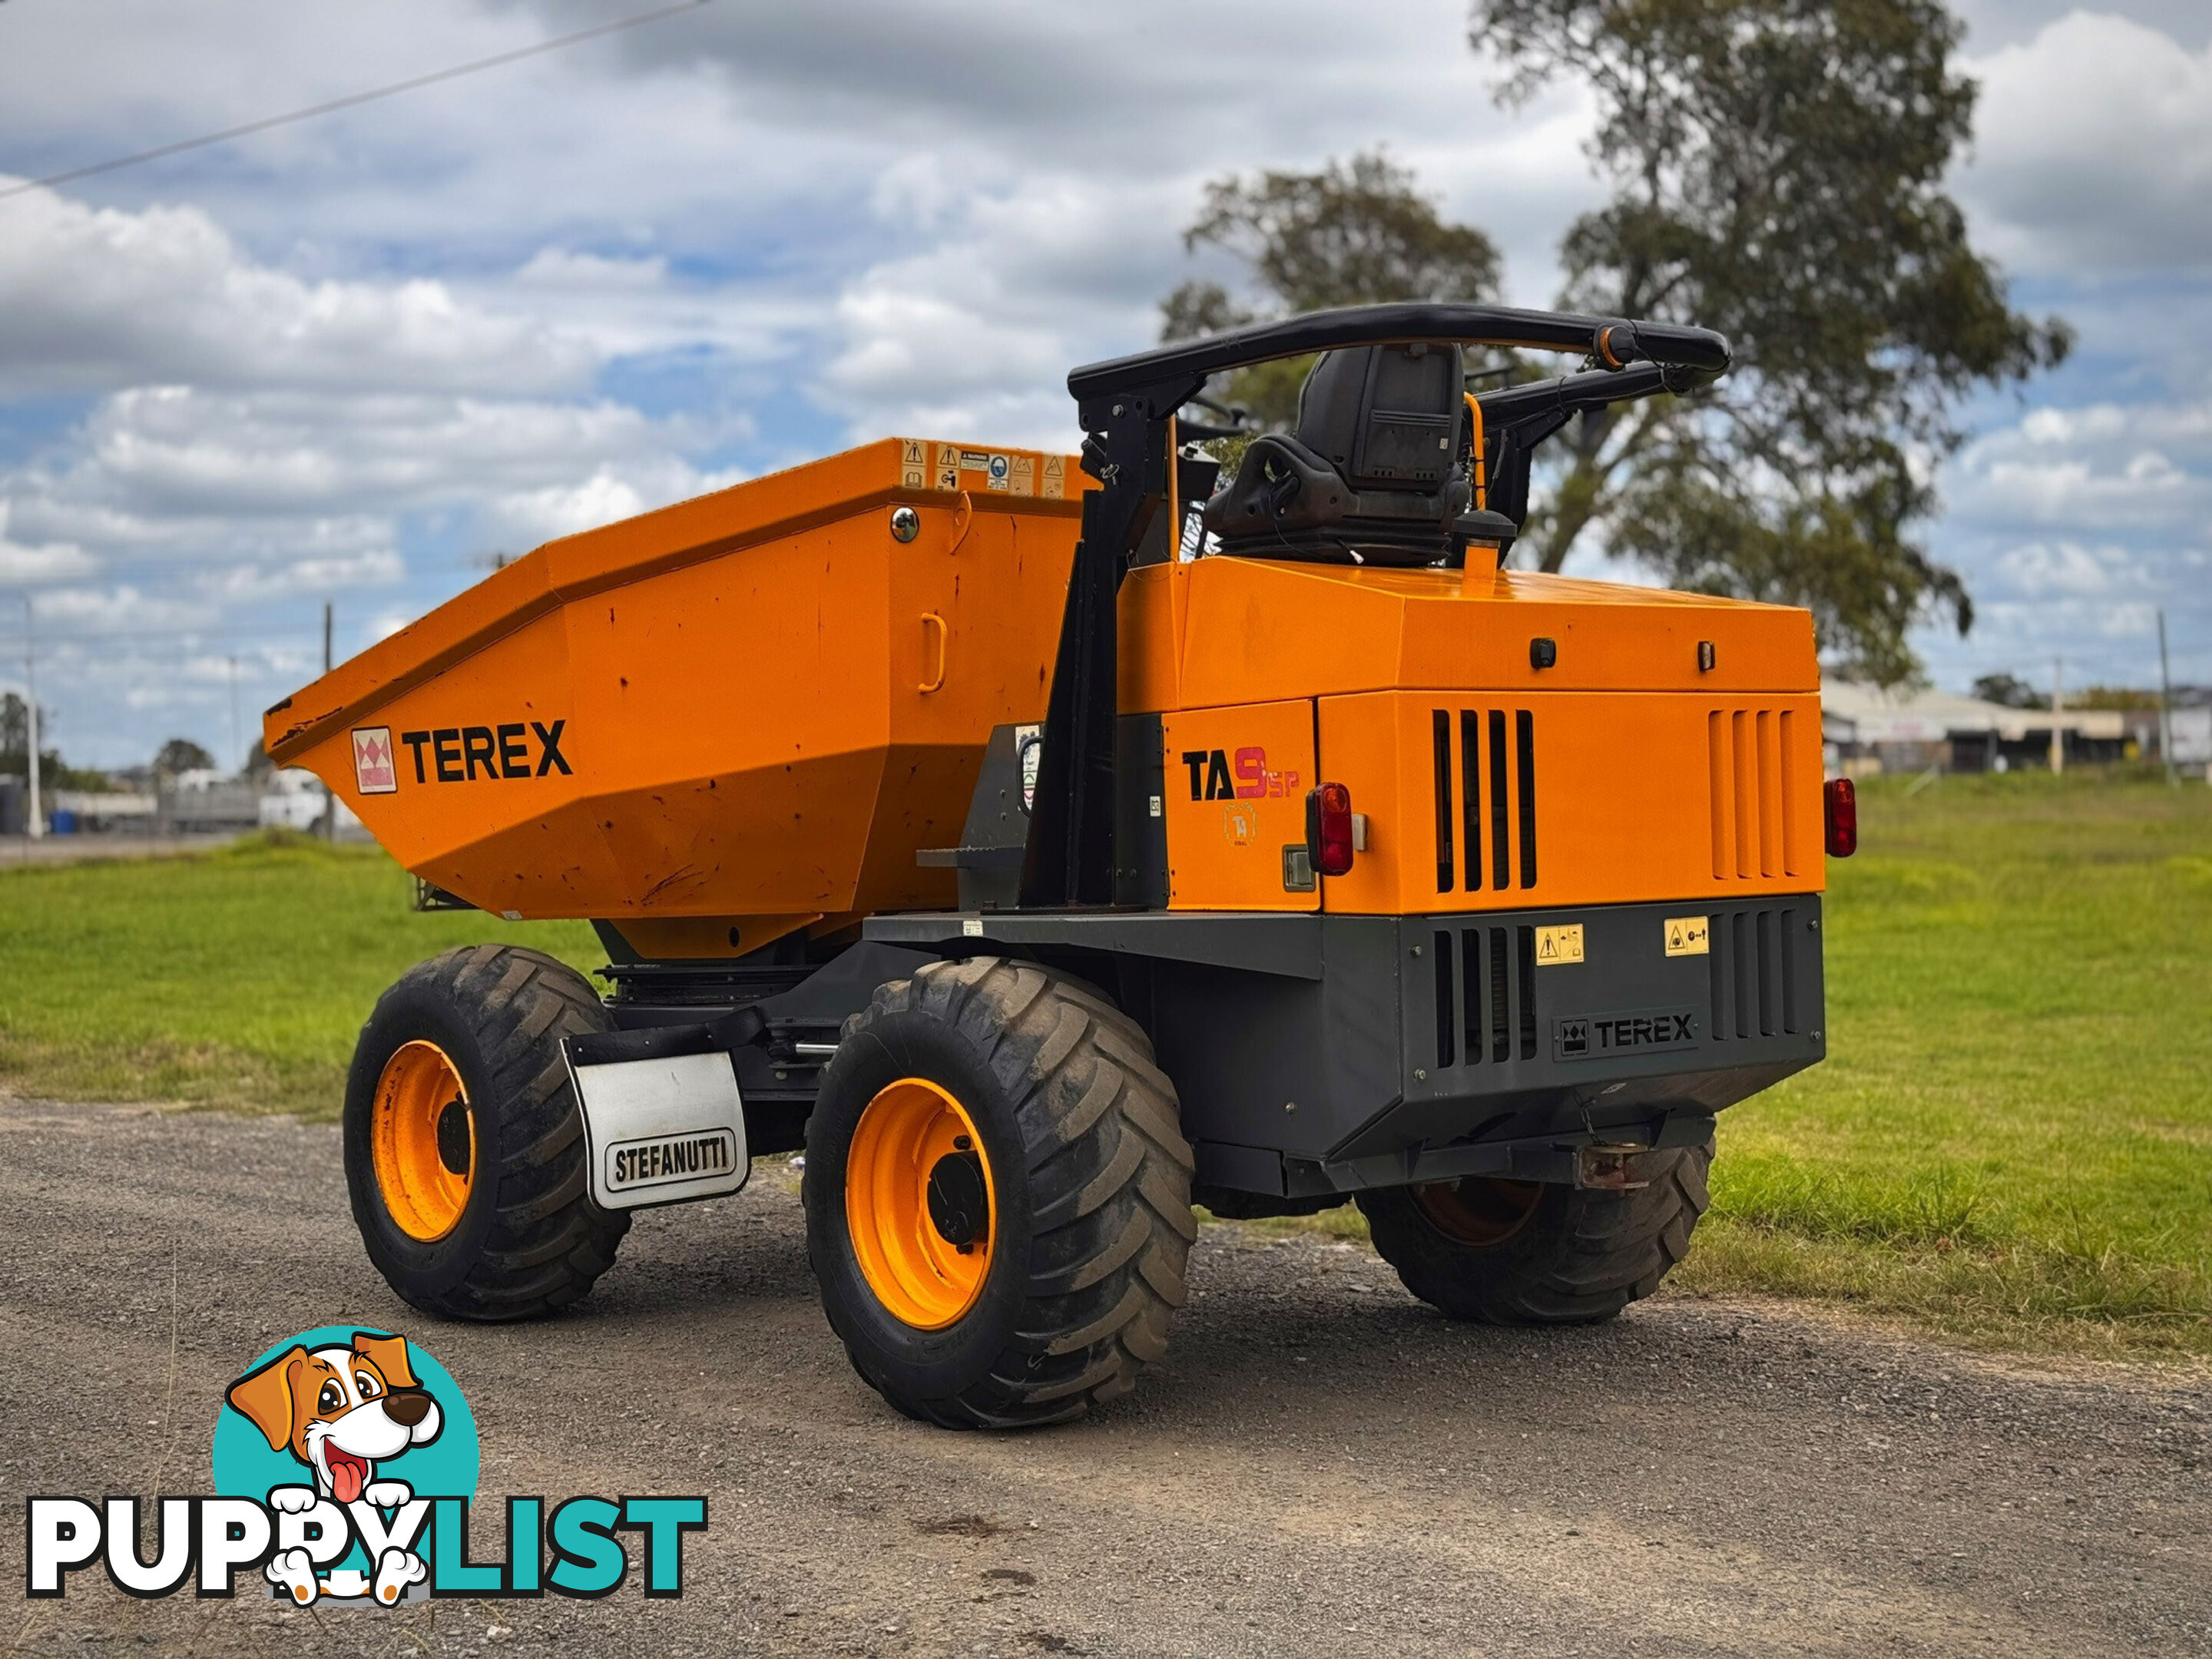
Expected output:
(664, 1122)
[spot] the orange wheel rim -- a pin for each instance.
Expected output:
(1481, 1210)
(423, 1139)
(916, 1180)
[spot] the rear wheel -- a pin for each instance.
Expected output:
(998, 1195)
(463, 1144)
(1529, 1253)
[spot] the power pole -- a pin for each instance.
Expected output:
(2165, 705)
(234, 748)
(2058, 708)
(329, 799)
(37, 825)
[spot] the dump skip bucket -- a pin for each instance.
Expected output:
(719, 722)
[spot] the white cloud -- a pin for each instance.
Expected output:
(315, 577)
(2094, 148)
(2042, 570)
(28, 567)
(102, 298)
(562, 269)
(2092, 469)
(317, 483)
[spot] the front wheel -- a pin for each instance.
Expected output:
(997, 1195)
(465, 1149)
(1529, 1253)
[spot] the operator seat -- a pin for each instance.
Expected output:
(1376, 473)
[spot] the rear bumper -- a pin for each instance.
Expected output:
(1500, 1059)
(1364, 1051)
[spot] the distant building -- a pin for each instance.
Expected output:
(293, 799)
(1870, 730)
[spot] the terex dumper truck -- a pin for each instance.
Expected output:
(1047, 843)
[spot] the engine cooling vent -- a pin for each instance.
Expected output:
(1750, 751)
(1484, 980)
(1485, 798)
(1753, 973)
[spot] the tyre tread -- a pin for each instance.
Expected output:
(547, 1241)
(1588, 1255)
(1109, 1172)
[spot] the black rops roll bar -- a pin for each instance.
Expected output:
(1125, 404)
(1181, 370)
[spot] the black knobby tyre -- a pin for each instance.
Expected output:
(1093, 1223)
(1515, 1253)
(528, 1239)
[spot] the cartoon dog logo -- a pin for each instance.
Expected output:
(341, 1411)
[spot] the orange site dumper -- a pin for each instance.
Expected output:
(1045, 842)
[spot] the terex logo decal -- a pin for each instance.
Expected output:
(459, 754)
(1210, 775)
(1601, 1036)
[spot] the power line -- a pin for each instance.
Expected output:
(212, 631)
(348, 102)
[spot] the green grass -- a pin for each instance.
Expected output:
(2012, 1135)
(236, 978)
(2011, 1140)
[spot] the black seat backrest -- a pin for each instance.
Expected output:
(1376, 473)
(1384, 416)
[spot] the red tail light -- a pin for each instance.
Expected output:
(1841, 799)
(1328, 828)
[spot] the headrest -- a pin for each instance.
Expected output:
(1385, 417)
(1376, 473)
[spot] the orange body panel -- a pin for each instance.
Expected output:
(736, 688)
(1235, 798)
(1650, 777)
(1628, 804)
(1221, 630)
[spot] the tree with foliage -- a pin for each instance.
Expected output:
(1357, 232)
(181, 755)
(2009, 691)
(15, 732)
(54, 772)
(1777, 169)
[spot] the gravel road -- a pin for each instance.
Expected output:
(1321, 1466)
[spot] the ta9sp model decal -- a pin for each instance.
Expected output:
(1254, 779)
(1235, 798)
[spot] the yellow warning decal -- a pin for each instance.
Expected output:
(1557, 944)
(1689, 936)
(913, 464)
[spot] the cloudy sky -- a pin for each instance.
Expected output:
(357, 359)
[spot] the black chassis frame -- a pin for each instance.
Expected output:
(1318, 1054)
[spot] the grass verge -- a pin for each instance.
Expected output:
(235, 978)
